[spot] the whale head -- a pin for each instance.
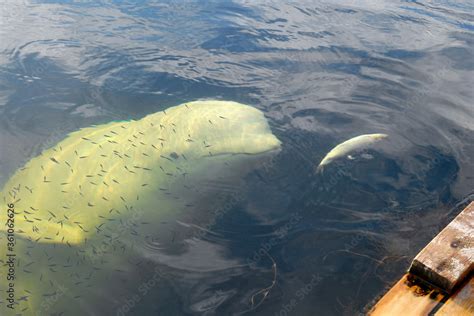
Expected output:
(205, 128)
(206, 150)
(215, 139)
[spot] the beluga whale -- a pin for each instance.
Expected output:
(76, 218)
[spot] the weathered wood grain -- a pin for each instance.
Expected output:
(407, 298)
(449, 257)
(461, 303)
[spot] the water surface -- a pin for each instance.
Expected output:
(322, 72)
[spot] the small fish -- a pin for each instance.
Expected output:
(129, 170)
(355, 144)
(165, 158)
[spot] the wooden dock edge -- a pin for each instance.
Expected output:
(449, 257)
(407, 297)
(434, 285)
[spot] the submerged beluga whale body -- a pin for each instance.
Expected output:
(83, 208)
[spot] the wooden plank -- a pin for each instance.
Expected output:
(449, 257)
(407, 298)
(461, 303)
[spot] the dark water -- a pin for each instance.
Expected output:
(322, 72)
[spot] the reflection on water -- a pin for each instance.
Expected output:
(322, 73)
